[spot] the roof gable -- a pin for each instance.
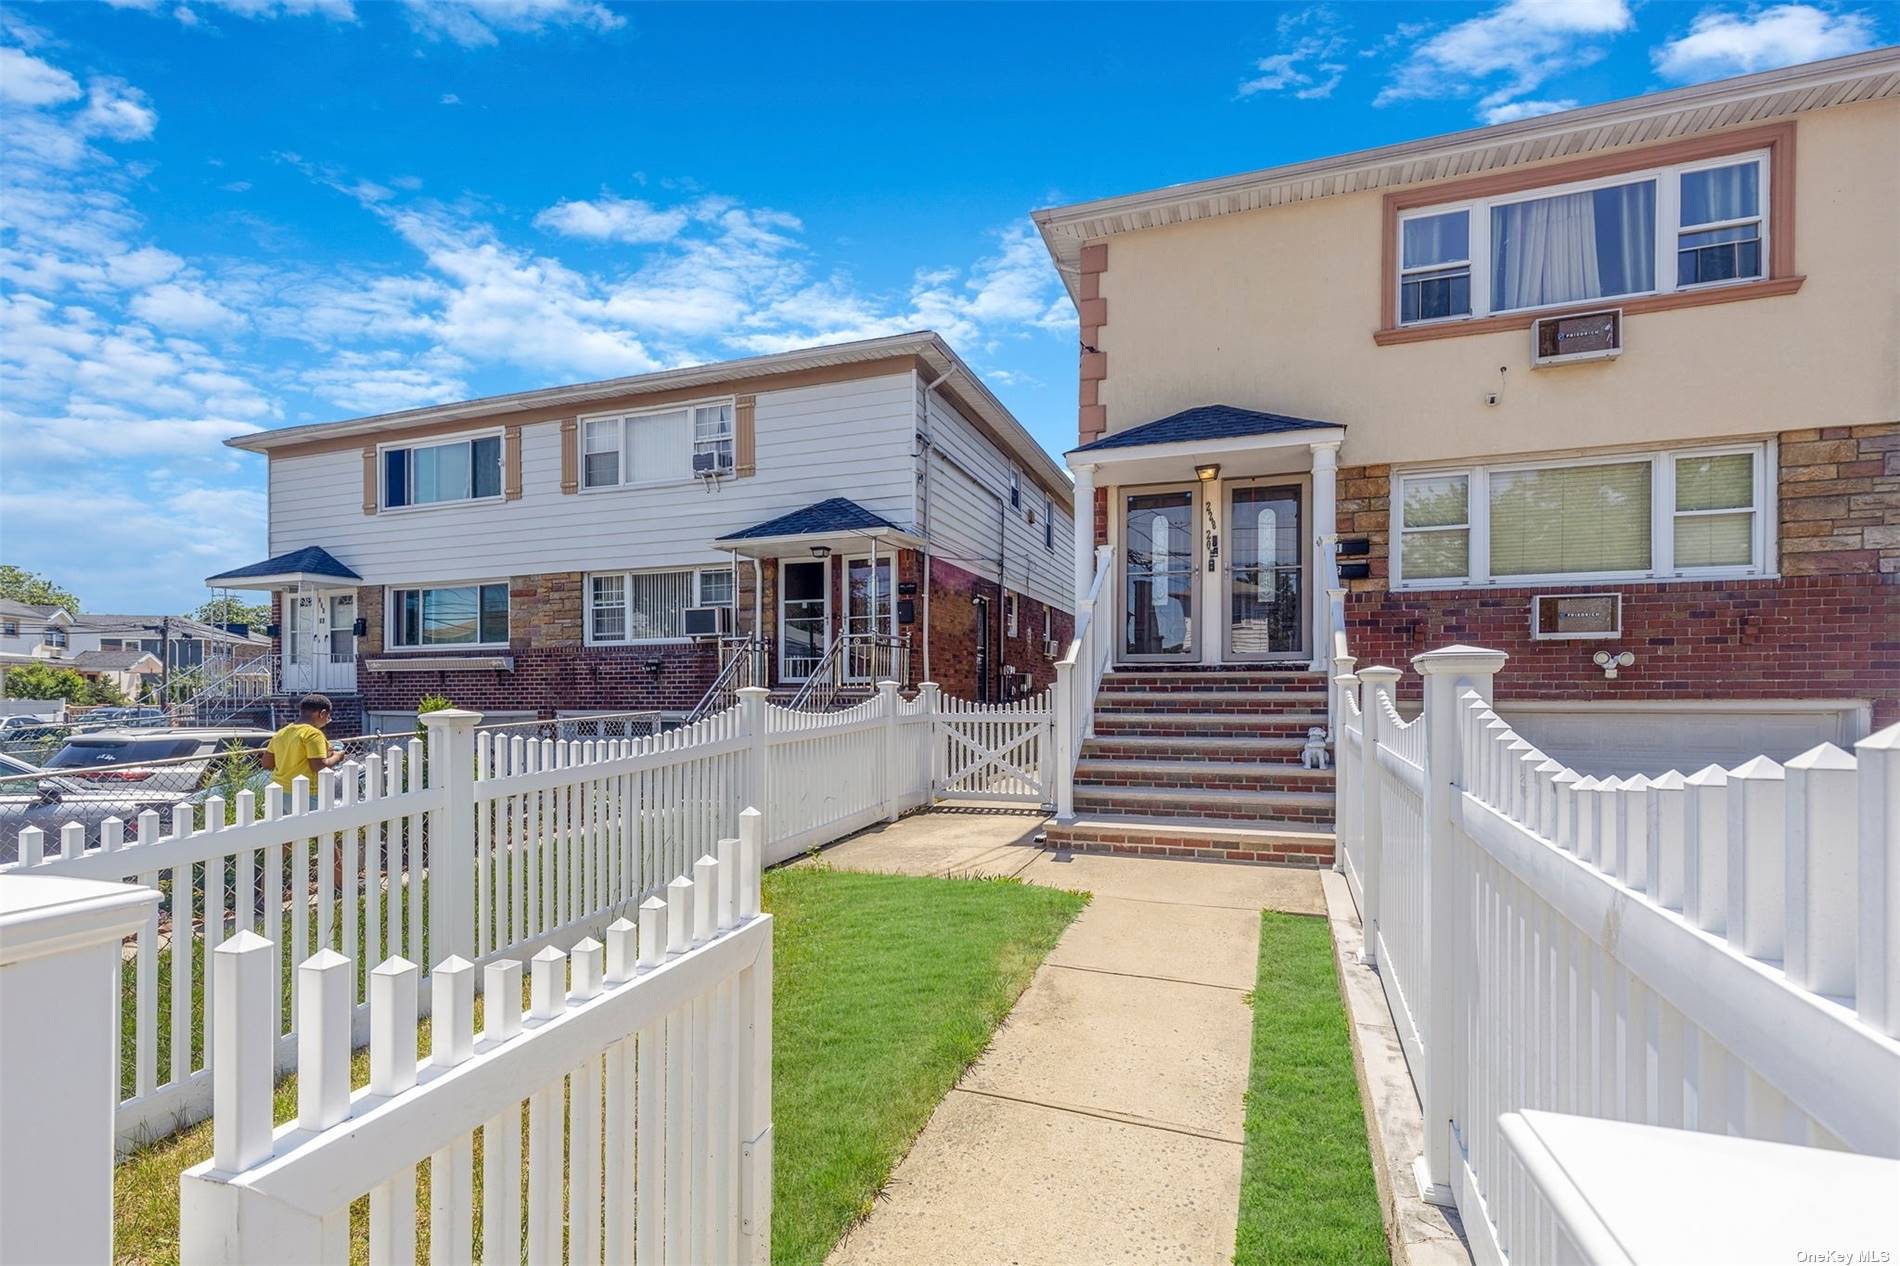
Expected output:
(1205, 422)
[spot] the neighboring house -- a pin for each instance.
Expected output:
(554, 551)
(128, 650)
(1342, 351)
(32, 634)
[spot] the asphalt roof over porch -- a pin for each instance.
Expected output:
(311, 560)
(1205, 422)
(836, 514)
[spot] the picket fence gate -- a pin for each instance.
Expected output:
(656, 1053)
(551, 837)
(1716, 952)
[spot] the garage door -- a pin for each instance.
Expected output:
(1623, 740)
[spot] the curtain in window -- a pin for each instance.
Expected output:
(1573, 246)
(1715, 194)
(656, 600)
(1570, 519)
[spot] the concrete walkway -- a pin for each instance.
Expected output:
(1104, 1123)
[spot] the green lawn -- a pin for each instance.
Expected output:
(885, 988)
(1306, 1186)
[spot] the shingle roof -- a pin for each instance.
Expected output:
(182, 626)
(26, 610)
(313, 559)
(838, 514)
(110, 661)
(1204, 422)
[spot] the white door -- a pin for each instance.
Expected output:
(337, 664)
(300, 651)
(804, 616)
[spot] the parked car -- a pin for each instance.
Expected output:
(118, 773)
(126, 717)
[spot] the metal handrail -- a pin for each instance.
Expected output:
(856, 660)
(746, 660)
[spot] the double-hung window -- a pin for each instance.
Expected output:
(1637, 233)
(657, 446)
(429, 474)
(1642, 516)
(450, 615)
(647, 606)
(1048, 523)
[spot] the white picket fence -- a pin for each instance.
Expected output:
(656, 1054)
(1718, 952)
(550, 837)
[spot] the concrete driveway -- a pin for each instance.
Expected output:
(1104, 1122)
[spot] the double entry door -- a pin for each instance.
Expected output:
(1212, 573)
(319, 641)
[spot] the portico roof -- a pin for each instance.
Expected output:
(837, 523)
(312, 564)
(1204, 422)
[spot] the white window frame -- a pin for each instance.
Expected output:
(1048, 522)
(1469, 263)
(732, 599)
(443, 441)
(628, 417)
(1012, 614)
(1662, 512)
(729, 439)
(1668, 181)
(697, 571)
(392, 617)
(1015, 489)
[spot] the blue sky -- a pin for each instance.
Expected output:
(221, 215)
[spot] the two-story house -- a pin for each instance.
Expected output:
(1613, 390)
(608, 546)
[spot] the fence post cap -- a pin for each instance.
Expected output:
(1458, 659)
(654, 903)
(394, 965)
(1887, 740)
(754, 692)
(454, 963)
(1758, 767)
(549, 954)
(624, 924)
(887, 685)
(1376, 673)
(1707, 776)
(1668, 780)
(454, 718)
(1826, 756)
(48, 914)
(325, 959)
(586, 945)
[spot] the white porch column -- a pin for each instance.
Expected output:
(1325, 572)
(1084, 531)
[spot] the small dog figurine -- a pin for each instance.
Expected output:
(1314, 754)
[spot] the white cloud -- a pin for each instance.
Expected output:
(1311, 44)
(449, 98)
(28, 81)
(1729, 43)
(183, 307)
(1511, 111)
(116, 109)
(476, 23)
(1507, 53)
(609, 218)
(383, 382)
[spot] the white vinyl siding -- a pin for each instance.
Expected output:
(967, 513)
(1642, 516)
(851, 439)
(1635, 233)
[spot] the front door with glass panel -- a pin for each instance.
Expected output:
(1160, 570)
(1266, 602)
(804, 618)
(867, 609)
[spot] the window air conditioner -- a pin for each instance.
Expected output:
(712, 463)
(1565, 340)
(707, 621)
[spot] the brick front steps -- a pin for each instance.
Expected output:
(1192, 838)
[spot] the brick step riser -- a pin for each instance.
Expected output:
(1136, 726)
(1247, 815)
(1267, 751)
(1217, 780)
(1148, 844)
(1264, 685)
(1240, 708)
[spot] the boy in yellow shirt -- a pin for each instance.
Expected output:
(300, 747)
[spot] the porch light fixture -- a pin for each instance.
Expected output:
(1207, 473)
(821, 551)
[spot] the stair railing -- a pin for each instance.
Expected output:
(854, 662)
(1079, 676)
(229, 686)
(745, 660)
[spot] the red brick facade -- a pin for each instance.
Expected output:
(554, 670)
(1829, 628)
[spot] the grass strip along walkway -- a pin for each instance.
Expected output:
(1307, 1193)
(885, 988)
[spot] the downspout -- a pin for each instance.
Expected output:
(929, 447)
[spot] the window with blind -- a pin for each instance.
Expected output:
(650, 606)
(655, 447)
(1646, 516)
(429, 474)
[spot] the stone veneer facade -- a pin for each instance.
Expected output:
(1827, 628)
